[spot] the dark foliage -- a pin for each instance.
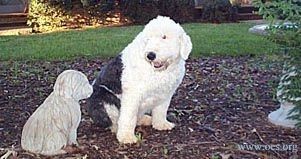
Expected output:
(179, 10)
(217, 11)
(141, 11)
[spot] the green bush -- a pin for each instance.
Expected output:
(285, 29)
(285, 21)
(45, 15)
(217, 11)
(141, 11)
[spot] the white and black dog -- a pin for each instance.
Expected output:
(141, 79)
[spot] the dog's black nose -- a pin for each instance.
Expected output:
(151, 56)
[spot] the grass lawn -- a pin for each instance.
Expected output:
(208, 39)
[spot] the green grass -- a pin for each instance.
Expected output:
(207, 39)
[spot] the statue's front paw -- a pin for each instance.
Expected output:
(72, 142)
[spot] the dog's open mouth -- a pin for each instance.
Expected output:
(159, 65)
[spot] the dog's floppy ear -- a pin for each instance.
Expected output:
(186, 46)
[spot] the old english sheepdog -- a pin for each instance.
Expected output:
(140, 80)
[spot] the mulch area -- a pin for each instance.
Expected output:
(222, 103)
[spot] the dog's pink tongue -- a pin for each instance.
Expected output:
(158, 64)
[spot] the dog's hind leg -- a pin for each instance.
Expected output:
(145, 120)
(96, 109)
(113, 113)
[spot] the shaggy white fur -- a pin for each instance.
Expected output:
(54, 124)
(148, 85)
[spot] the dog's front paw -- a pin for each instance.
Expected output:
(126, 138)
(166, 125)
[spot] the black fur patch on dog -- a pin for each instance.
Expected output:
(106, 85)
(110, 75)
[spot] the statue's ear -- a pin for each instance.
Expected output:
(62, 85)
(185, 46)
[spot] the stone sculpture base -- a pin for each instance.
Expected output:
(279, 117)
